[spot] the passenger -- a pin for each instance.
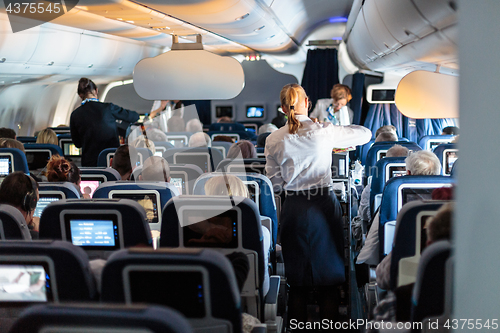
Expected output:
(242, 149)
(143, 142)
(261, 139)
(267, 128)
(121, 162)
(450, 130)
(200, 139)
(386, 136)
(47, 136)
(155, 168)
(280, 120)
(194, 125)
(176, 124)
(225, 120)
(335, 109)
(223, 138)
(230, 185)
(298, 160)
(155, 134)
(364, 204)
(61, 170)
(21, 191)
(421, 162)
(11, 143)
(386, 128)
(7, 133)
(93, 124)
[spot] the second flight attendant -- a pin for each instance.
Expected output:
(298, 160)
(335, 109)
(93, 124)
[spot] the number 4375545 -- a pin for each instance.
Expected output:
(471, 324)
(33, 8)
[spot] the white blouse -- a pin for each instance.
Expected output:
(302, 161)
(345, 115)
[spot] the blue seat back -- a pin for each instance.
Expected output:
(380, 175)
(250, 165)
(132, 219)
(17, 159)
(442, 151)
(12, 224)
(76, 317)
(137, 156)
(204, 157)
(226, 127)
(238, 135)
(260, 152)
(68, 267)
(430, 142)
(428, 298)
(55, 150)
(364, 151)
(179, 139)
(382, 147)
(26, 139)
(392, 200)
(266, 202)
(162, 146)
(219, 288)
(107, 174)
(407, 239)
(223, 146)
(67, 190)
(38, 154)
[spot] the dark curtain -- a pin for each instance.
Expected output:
(204, 109)
(357, 89)
(320, 74)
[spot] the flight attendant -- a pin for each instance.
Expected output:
(335, 109)
(298, 161)
(93, 124)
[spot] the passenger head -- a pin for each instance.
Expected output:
(341, 95)
(397, 151)
(143, 142)
(450, 130)
(443, 193)
(226, 185)
(11, 143)
(225, 119)
(155, 168)
(439, 226)
(20, 191)
(200, 139)
(7, 133)
(223, 138)
(294, 102)
(280, 120)
(386, 136)
(423, 162)
(61, 170)
(386, 128)
(47, 136)
(176, 124)
(267, 128)
(194, 125)
(121, 162)
(155, 134)
(87, 88)
(243, 148)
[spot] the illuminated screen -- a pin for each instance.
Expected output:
(44, 201)
(178, 142)
(397, 171)
(159, 153)
(224, 111)
(93, 233)
(5, 166)
(179, 183)
(88, 186)
(24, 283)
(69, 149)
(37, 159)
(255, 111)
(182, 291)
(220, 231)
(451, 157)
(202, 160)
(148, 201)
(413, 194)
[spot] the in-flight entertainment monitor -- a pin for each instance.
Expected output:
(5, 166)
(37, 159)
(220, 231)
(200, 159)
(179, 181)
(69, 149)
(148, 199)
(93, 231)
(450, 158)
(224, 111)
(88, 185)
(44, 201)
(25, 282)
(412, 194)
(396, 171)
(381, 154)
(255, 111)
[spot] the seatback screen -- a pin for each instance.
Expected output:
(179, 182)
(396, 171)
(413, 194)
(93, 231)
(25, 282)
(5, 166)
(220, 231)
(44, 201)
(69, 149)
(224, 111)
(37, 159)
(88, 186)
(451, 157)
(182, 291)
(201, 160)
(256, 111)
(149, 201)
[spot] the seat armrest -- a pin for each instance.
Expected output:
(261, 328)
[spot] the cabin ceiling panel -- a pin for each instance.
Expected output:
(440, 14)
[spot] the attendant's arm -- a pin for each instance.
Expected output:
(349, 136)
(273, 170)
(120, 113)
(75, 136)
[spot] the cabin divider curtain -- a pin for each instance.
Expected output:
(384, 114)
(433, 126)
(320, 74)
(357, 90)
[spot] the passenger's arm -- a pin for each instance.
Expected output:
(349, 136)
(124, 114)
(384, 273)
(364, 204)
(75, 136)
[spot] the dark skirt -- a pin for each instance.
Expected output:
(312, 239)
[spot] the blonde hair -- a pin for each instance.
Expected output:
(11, 143)
(290, 96)
(47, 136)
(340, 91)
(226, 185)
